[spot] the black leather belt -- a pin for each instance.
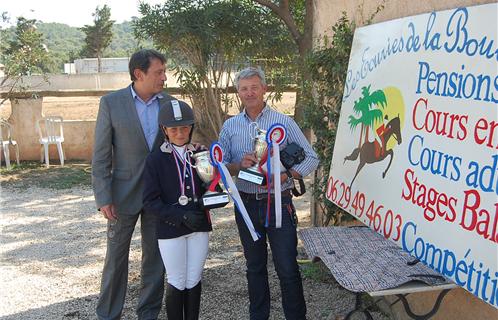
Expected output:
(258, 196)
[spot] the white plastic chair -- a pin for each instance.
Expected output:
(50, 132)
(6, 140)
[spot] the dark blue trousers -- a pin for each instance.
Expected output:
(283, 244)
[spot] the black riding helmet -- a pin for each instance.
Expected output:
(176, 113)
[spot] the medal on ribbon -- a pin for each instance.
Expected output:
(183, 199)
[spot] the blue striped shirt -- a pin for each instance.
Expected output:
(236, 141)
(148, 113)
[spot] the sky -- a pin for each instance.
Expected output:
(75, 13)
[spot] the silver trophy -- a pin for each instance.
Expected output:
(254, 174)
(211, 198)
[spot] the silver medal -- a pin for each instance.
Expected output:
(183, 200)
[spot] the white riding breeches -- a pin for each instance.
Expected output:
(184, 258)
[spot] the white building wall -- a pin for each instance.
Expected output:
(69, 68)
(89, 65)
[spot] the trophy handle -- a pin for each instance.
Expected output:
(189, 155)
(255, 128)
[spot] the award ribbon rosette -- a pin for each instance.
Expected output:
(275, 136)
(216, 154)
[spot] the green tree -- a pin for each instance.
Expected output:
(297, 16)
(99, 35)
(124, 43)
(328, 65)
(207, 41)
(63, 42)
(22, 53)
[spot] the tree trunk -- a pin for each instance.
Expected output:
(301, 98)
(24, 115)
(99, 67)
(209, 116)
(304, 43)
(317, 214)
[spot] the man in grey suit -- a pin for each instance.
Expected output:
(125, 133)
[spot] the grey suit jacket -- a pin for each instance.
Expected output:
(119, 152)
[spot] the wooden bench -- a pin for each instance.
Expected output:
(363, 261)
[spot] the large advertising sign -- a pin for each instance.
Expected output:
(416, 151)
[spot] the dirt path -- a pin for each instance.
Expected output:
(51, 257)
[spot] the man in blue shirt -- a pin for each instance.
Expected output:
(237, 144)
(125, 133)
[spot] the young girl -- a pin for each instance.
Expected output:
(171, 191)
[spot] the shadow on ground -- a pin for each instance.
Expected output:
(53, 246)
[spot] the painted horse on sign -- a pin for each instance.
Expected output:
(367, 151)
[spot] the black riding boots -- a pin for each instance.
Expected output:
(174, 303)
(192, 302)
(183, 304)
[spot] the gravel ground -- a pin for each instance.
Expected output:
(52, 250)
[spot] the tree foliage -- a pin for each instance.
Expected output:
(297, 16)
(328, 67)
(207, 41)
(65, 43)
(22, 53)
(124, 43)
(99, 35)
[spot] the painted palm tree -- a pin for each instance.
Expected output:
(368, 109)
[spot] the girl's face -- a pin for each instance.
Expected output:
(179, 135)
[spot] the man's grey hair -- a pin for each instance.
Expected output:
(248, 73)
